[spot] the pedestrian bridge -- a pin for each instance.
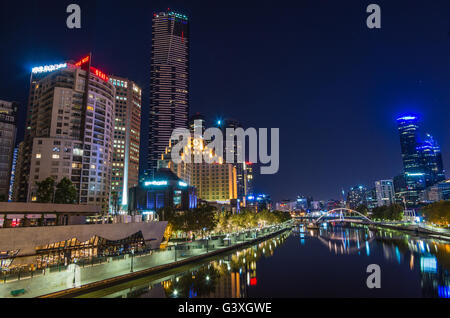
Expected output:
(343, 215)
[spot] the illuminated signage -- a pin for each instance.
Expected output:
(83, 61)
(156, 183)
(100, 74)
(48, 68)
(182, 184)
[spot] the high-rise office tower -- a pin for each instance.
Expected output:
(169, 81)
(241, 167)
(8, 121)
(127, 137)
(412, 163)
(431, 157)
(69, 131)
(422, 159)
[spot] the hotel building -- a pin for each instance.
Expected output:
(214, 182)
(69, 131)
(127, 137)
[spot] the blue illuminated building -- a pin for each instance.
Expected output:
(166, 190)
(422, 160)
(259, 202)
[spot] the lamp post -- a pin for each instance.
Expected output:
(132, 259)
(74, 272)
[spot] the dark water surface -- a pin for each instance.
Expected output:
(329, 262)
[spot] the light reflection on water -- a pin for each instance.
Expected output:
(328, 262)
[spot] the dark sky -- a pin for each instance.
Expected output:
(311, 68)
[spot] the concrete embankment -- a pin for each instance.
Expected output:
(414, 229)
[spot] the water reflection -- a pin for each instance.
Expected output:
(432, 256)
(303, 262)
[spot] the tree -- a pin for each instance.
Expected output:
(438, 213)
(65, 193)
(45, 191)
(395, 212)
(392, 212)
(362, 208)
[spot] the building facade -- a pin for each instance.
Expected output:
(356, 196)
(69, 131)
(127, 140)
(169, 81)
(214, 182)
(8, 131)
(165, 191)
(385, 192)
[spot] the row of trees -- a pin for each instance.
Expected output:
(206, 220)
(437, 213)
(62, 193)
(392, 212)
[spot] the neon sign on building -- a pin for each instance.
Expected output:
(100, 74)
(48, 68)
(83, 61)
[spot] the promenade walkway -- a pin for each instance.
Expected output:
(63, 281)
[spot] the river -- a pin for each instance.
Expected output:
(329, 262)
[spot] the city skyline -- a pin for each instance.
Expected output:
(322, 149)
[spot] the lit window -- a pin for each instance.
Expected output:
(55, 156)
(38, 156)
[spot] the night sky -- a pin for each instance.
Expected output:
(311, 68)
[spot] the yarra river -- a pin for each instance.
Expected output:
(329, 262)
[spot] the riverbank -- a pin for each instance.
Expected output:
(173, 257)
(415, 229)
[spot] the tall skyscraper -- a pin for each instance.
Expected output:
(8, 129)
(431, 160)
(127, 137)
(169, 81)
(241, 168)
(422, 159)
(69, 131)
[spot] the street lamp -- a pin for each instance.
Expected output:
(132, 259)
(74, 272)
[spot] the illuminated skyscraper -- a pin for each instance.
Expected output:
(412, 164)
(69, 131)
(241, 167)
(169, 81)
(127, 137)
(431, 159)
(422, 159)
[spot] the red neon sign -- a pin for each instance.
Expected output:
(100, 74)
(253, 281)
(83, 61)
